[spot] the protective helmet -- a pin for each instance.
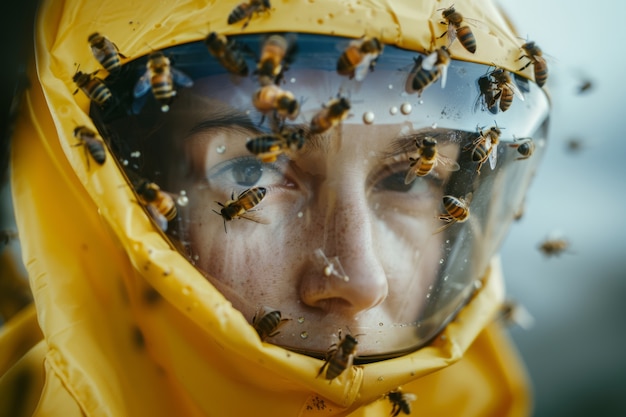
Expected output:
(341, 172)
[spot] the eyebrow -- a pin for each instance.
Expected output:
(225, 119)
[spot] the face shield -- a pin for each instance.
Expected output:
(331, 190)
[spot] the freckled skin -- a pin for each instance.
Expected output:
(381, 243)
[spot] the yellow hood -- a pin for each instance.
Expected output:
(131, 328)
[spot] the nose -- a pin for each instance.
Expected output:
(348, 236)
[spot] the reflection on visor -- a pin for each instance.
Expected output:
(322, 199)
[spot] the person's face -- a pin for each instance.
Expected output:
(340, 202)
(337, 240)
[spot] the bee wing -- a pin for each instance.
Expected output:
(443, 69)
(159, 219)
(411, 173)
(429, 63)
(447, 163)
(365, 66)
(479, 24)
(522, 317)
(493, 156)
(448, 222)
(118, 50)
(253, 217)
(480, 103)
(181, 78)
(451, 34)
(98, 53)
(142, 86)
(138, 103)
(516, 91)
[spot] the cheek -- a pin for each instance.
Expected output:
(251, 261)
(409, 254)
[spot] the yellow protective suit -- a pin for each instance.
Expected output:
(123, 325)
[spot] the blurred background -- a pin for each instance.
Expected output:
(574, 351)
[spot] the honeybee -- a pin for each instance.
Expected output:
(401, 402)
(266, 322)
(359, 57)
(553, 246)
(246, 10)
(428, 158)
(574, 145)
(339, 357)
(535, 56)
(228, 53)
(105, 52)
(273, 98)
(7, 235)
(485, 147)
(161, 76)
(159, 204)
(428, 70)
(512, 312)
(93, 87)
(505, 87)
(268, 147)
(457, 210)
(525, 147)
(488, 94)
(239, 207)
(585, 86)
(93, 145)
(331, 114)
(453, 19)
(276, 54)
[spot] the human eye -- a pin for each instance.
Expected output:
(391, 179)
(245, 171)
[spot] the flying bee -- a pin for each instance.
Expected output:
(105, 52)
(428, 157)
(331, 114)
(273, 98)
(339, 357)
(246, 10)
(585, 86)
(7, 235)
(276, 54)
(160, 204)
(228, 53)
(359, 57)
(553, 246)
(93, 145)
(525, 147)
(161, 77)
(401, 402)
(512, 312)
(485, 147)
(266, 322)
(268, 147)
(428, 70)
(534, 54)
(506, 88)
(457, 210)
(454, 19)
(93, 87)
(241, 206)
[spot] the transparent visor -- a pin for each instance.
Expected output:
(337, 188)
